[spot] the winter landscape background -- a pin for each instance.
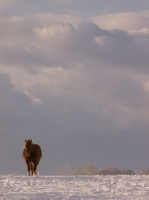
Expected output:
(74, 78)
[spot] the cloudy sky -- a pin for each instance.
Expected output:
(74, 77)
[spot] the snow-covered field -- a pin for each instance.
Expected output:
(74, 187)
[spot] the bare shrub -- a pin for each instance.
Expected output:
(127, 172)
(115, 171)
(91, 169)
(109, 171)
(87, 169)
(144, 172)
(65, 170)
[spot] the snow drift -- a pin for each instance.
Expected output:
(74, 187)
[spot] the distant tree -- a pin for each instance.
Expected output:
(144, 172)
(109, 171)
(65, 170)
(127, 172)
(87, 169)
(91, 169)
(115, 171)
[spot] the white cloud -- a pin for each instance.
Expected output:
(123, 21)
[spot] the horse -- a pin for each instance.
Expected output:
(32, 154)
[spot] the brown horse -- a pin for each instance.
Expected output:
(32, 155)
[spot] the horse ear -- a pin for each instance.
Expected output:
(25, 141)
(31, 140)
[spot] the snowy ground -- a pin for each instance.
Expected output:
(90, 187)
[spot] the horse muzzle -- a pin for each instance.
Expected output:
(27, 154)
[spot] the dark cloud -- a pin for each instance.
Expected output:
(61, 43)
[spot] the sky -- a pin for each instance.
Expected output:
(74, 78)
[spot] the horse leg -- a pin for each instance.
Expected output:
(32, 168)
(35, 167)
(28, 168)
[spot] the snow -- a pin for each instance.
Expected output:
(74, 187)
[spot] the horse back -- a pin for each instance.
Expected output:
(37, 150)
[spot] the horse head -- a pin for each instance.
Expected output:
(28, 144)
